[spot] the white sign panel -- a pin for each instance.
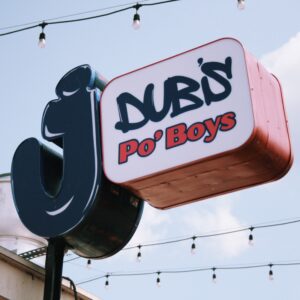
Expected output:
(176, 112)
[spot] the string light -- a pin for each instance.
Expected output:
(86, 18)
(214, 275)
(241, 4)
(271, 277)
(158, 283)
(57, 21)
(220, 233)
(193, 247)
(250, 239)
(139, 255)
(42, 37)
(136, 18)
(184, 271)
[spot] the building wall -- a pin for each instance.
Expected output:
(23, 280)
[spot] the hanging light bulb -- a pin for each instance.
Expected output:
(241, 4)
(136, 24)
(250, 239)
(158, 280)
(214, 275)
(139, 255)
(88, 263)
(42, 37)
(271, 275)
(107, 282)
(42, 40)
(193, 247)
(136, 21)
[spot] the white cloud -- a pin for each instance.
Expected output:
(153, 226)
(285, 64)
(217, 218)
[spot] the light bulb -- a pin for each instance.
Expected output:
(106, 283)
(214, 276)
(136, 21)
(158, 283)
(250, 241)
(139, 256)
(241, 4)
(88, 263)
(271, 275)
(250, 238)
(193, 249)
(42, 40)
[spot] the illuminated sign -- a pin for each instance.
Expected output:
(170, 129)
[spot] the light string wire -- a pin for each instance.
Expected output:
(180, 271)
(71, 15)
(173, 241)
(214, 234)
(53, 22)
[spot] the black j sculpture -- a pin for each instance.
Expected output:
(67, 198)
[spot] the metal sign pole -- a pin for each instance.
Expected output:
(54, 266)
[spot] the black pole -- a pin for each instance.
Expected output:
(54, 266)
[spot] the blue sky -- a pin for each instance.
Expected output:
(269, 30)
